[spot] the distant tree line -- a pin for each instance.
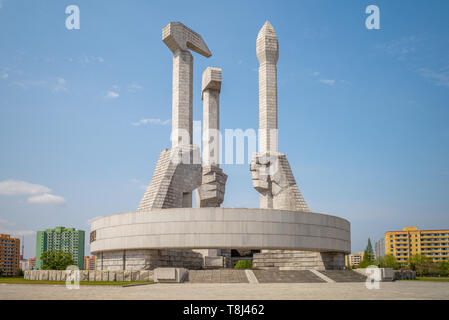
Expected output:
(421, 264)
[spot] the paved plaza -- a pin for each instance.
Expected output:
(233, 291)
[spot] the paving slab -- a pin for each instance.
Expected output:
(398, 290)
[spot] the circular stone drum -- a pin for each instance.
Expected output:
(220, 228)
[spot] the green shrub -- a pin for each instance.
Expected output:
(243, 264)
(56, 260)
(443, 268)
(424, 266)
(387, 261)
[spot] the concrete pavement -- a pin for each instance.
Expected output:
(233, 291)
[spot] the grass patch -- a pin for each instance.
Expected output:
(85, 283)
(438, 279)
(243, 264)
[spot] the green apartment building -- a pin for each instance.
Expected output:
(60, 238)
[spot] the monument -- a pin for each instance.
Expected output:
(165, 231)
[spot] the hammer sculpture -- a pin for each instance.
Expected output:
(173, 181)
(179, 39)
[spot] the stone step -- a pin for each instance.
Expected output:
(344, 275)
(272, 276)
(287, 276)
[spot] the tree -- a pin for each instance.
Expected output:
(368, 256)
(369, 248)
(417, 260)
(443, 268)
(388, 261)
(56, 260)
(422, 264)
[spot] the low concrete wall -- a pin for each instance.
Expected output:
(404, 275)
(389, 274)
(386, 274)
(90, 275)
(170, 275)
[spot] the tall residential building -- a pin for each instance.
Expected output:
(60, 238)
(380, 248)
(431, 243)
(89, 263)
(32, 263)
(353, 259)
(9, 255)
(23, 264)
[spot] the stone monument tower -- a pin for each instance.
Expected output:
(271, 173)
(165, 231)
(178, 170)
(211, 192)
(270, 170)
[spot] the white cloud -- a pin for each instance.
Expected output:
(328, 82)
(5, 228)
(133, 87)
(401, 48)
(4, 222)
(46, 198)
(1, 4)
(16, 187)
(90, 59)
(114, 92)
(38, 193)
(438, 78)
(20, 84)
(19, 233)
(4, 75)
(151, 121)
(60, 85)
(112, 95)
(89, 221)
(137, 181)
(25, 84)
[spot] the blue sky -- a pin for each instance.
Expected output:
(363, 114)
